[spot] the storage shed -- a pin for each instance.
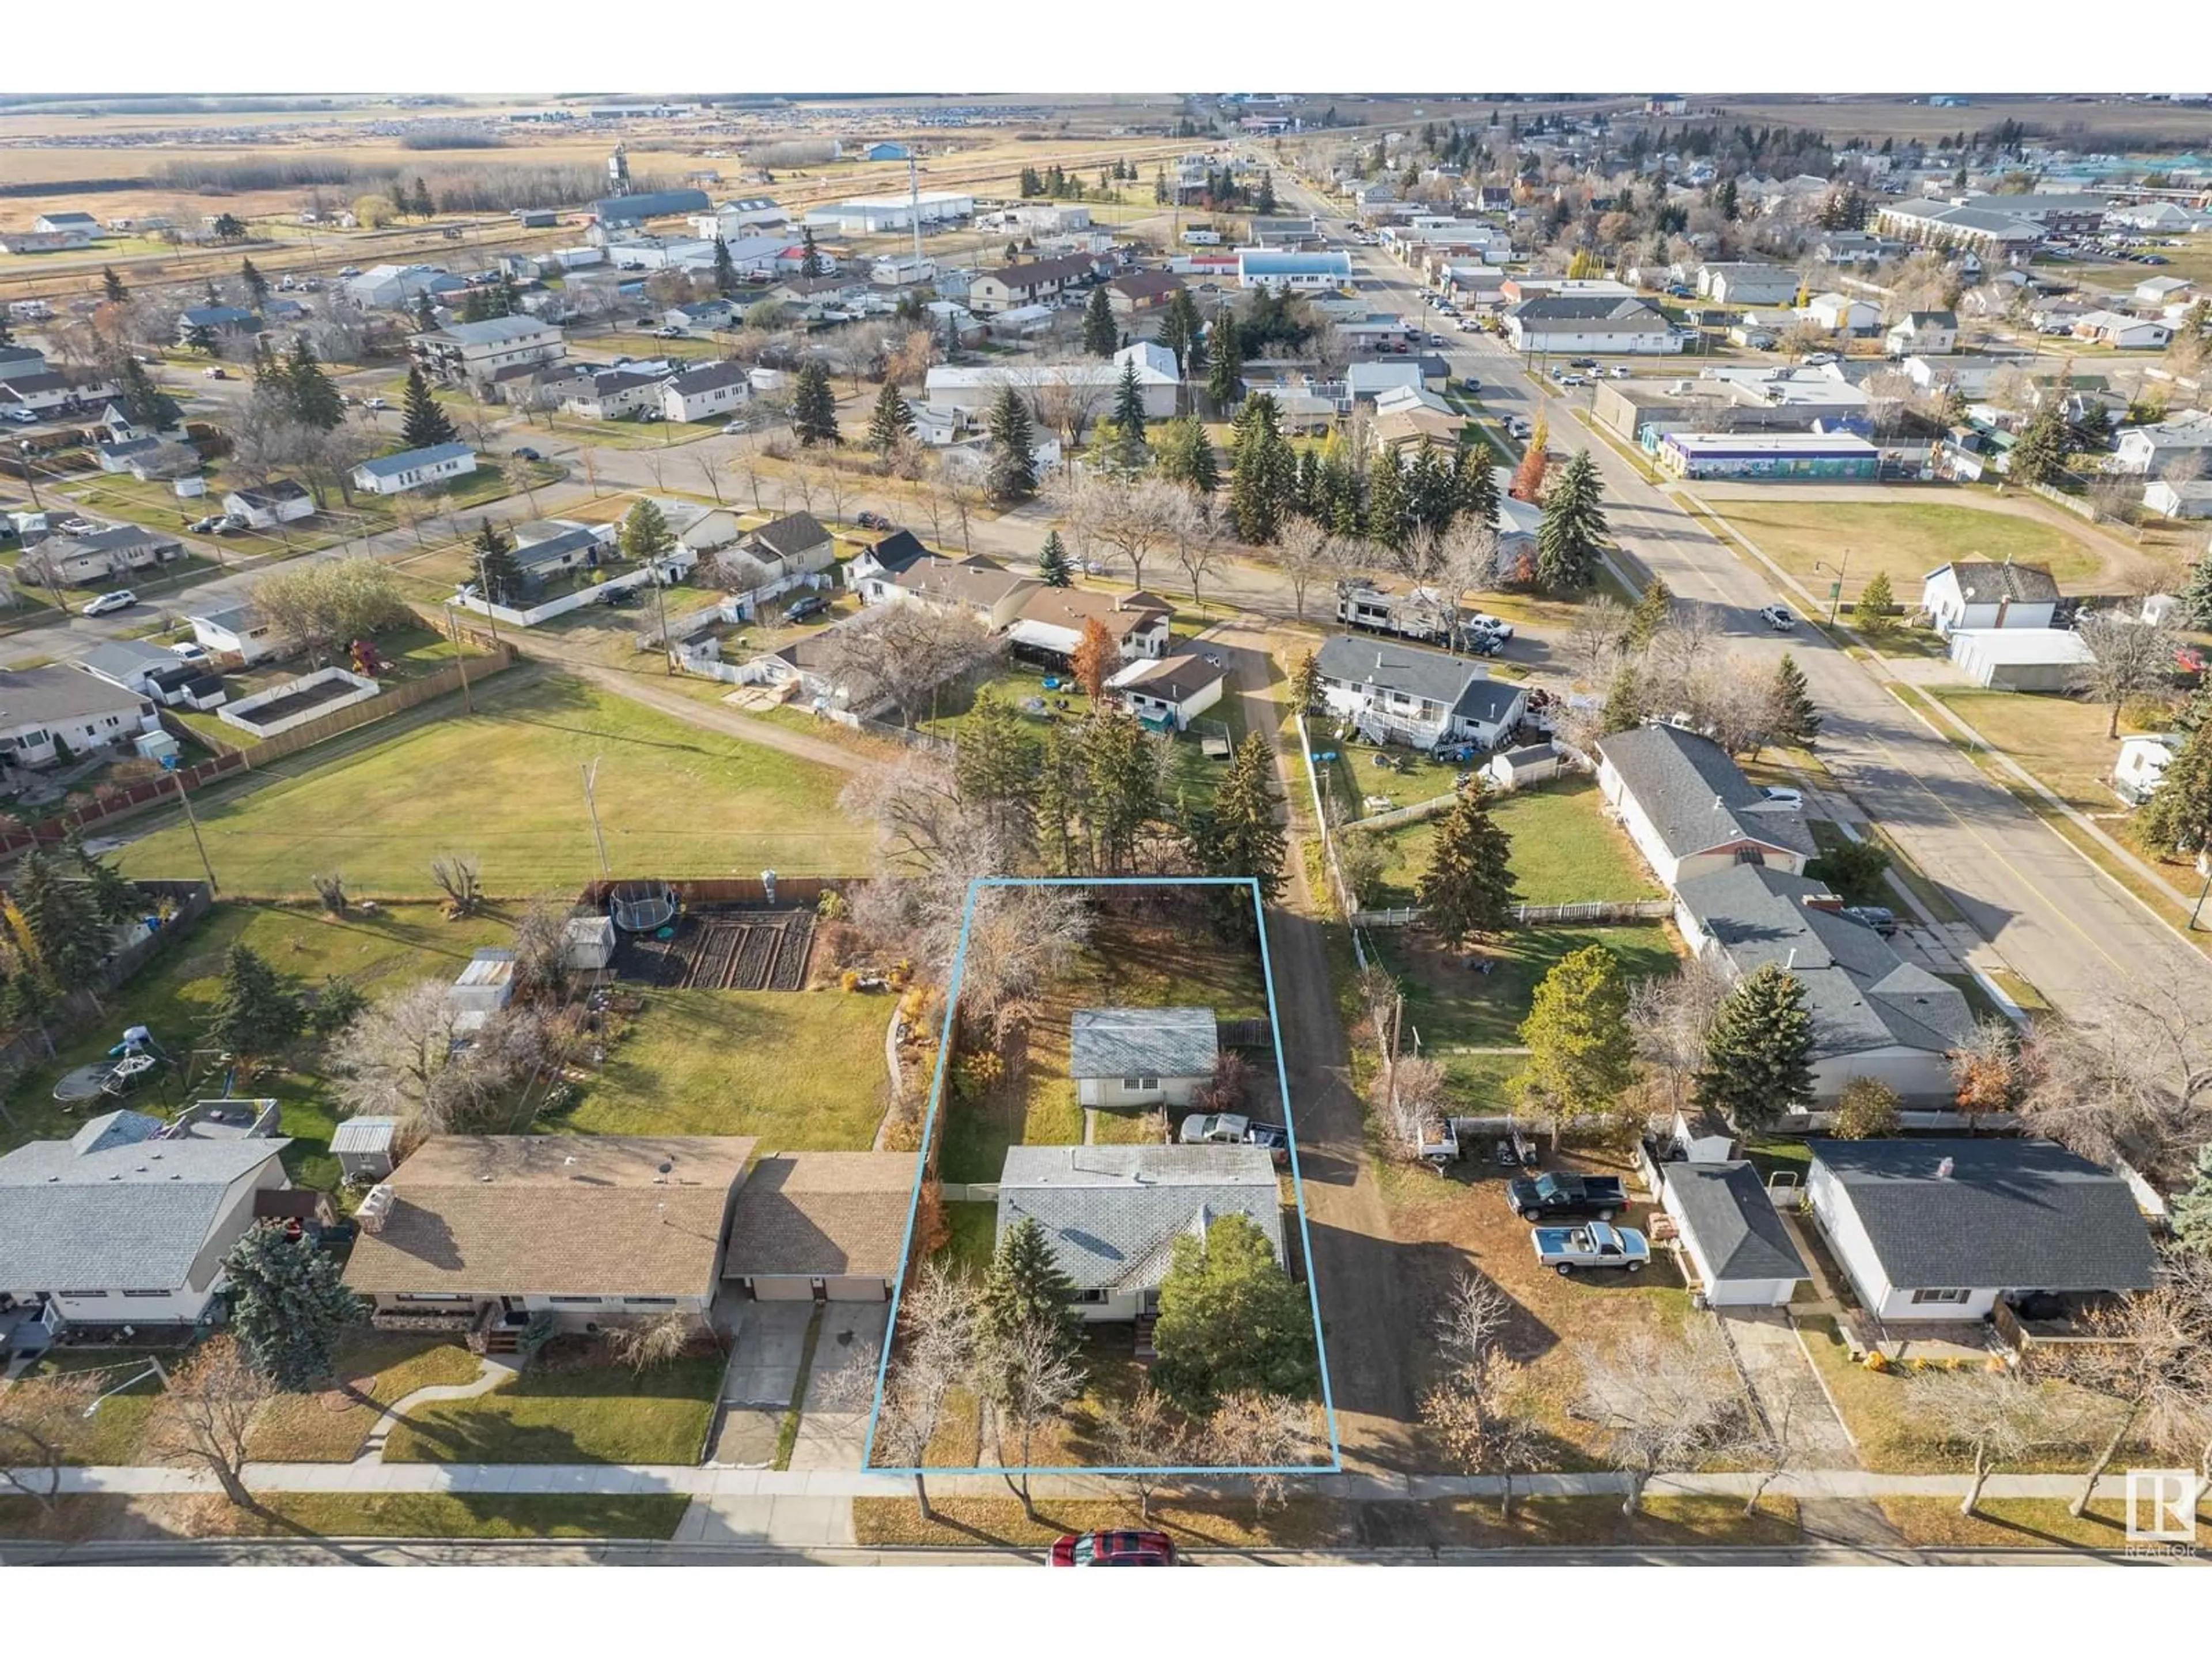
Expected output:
(362, 1146)
(587, 943)
(1516, 768)
(2021, 658)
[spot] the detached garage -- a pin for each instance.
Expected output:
(1732, 1233)
(821, 1226)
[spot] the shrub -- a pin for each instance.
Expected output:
(1867, 1110)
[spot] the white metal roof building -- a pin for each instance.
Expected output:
(870, 215)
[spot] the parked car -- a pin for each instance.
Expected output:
(1582, 362)
(375, 403)
(1778, 617)
(872, 521)
(812, 605)
(1880, 917)
(671, 332)
(1818, 359)
(732, 428)
(1619, 371)
(193, 651)
(216, 374)
(1782, 797)
(1114, 1549)
(348, 270)
(1232, 1129)
(1548, 1197)
(1574, 380)
(206, 526)
(1567, 1250)
(1497, 627)
(527, 455)
(121, 599)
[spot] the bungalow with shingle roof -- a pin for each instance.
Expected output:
(827, 1225)
(1141, 1056)
(1690, 809)
(1396, 693)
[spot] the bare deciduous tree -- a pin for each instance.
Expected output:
(39, 1419)
(1663, 1404)
(1197, 543)
(1669, 1019)
(1068, 397)
(905, 653)
(1302, 554)
(407, 1056)
(207, 1413)
(1472, 1406)
(2154, 1355)
(456, 878)
(1998, 1414)
(1266, 1432)
(1414, 1095)
(1594, 639)
(1033, 1377)
(1141, 1437)
(2132, 657)
(936, 1354)
(646, 1345)
(1136, 519)
(2137, 1078)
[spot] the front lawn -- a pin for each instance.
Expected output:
(563, 1411)
(1907, 539)
(802, 1070)
(505, 784)
(380, 1369)
(1452, 1005)
(349, 1515)
(1565, 850)
(2059, 740)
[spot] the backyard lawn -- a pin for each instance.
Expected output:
(566, 1410)
(1564, 849)
(172, 993)
(505, 784)
(1452, 1006)
(1908, 539)
(802, 1070)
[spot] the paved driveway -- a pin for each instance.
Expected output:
(757, 1389)
(1788, 1393)
(833, 1425)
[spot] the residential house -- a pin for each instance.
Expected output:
(615, 394)
(1563, 323)
(47, 711)
(974, 389)
(2181, 445)
(976, 587)
(557, 547)
(1982, 593)
(1923, 333)
(591, 1229)
(821, 1227)
(42, 242)
(897, 553)
(1928, 1230)
(127, 1223)
(1748, 284)
(1141, 292)
(147, 670)
(1840, 313)
(473, 353)
(1049, 624)
(2123, 332)
(2141, 764)
(236, 630)
(793, 545)
(102, 555)
(281, 501)
(1874, 1013)
(1036, 282)
(66, 224)
(1168, 694)
(1690, 809)
(705, 394)
(701, 316)
(1422, 699)
(48, 392)
(2160, 290)
(412, 469)
(1112, 1214)
(1130, 1057)
(1738, 1247)
(2169, 499)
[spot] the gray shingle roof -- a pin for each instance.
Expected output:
(114, 1207)
(492, 330)
(792, 534)
(1737, 1229)
(2024, 1215)
(28, 696)
(1432, 675)
(1142, 1043)
(1860, 992)
(386, 466)
(712, 377)
(1175, 679)
(1695, 796)
(1113, 1213)
(1985, 581)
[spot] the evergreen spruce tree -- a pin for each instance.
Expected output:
(1573, 525)
(315, 399)
(498, 571)
(288, 1306)
(111, 286)
(62, 920)
(1758, 1055)
(1012, 475)
(2176, 820)
(892, 421)
(726, 269)
(1870, 610)
(1240, 835)
(1389, 505)
(1027, 1291)
(2197, 596)
(257, 285)
(644, 535)
(1062, 781)
(1305, 683)
(1653, 609)
(1306, 494)
(1052, 568)
(1180, 330)
(1580, 1060)
(1225, 380)
(814, 406)
(1624, 701)
(1101, 337)
(201, 338)
(1474, 482)
(113, 899)
(1186, 457)
(1257, 462)
(1467, 889)
(810, 257)
(2193, 1206)
(145, 403)
(1796, 721)
(477, 306)
(1122, 764)
(2040, 453)
(254, 1016)
(426, 313)
(422, 421)
(994, 765)
(1130, 450)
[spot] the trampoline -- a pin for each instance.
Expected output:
(642, 907)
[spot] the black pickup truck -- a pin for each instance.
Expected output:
(1549, 1196)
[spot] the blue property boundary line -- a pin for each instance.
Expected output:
(1336, 1463)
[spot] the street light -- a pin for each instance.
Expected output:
(1835, 587)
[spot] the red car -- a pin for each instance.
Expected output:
(1115, 1549)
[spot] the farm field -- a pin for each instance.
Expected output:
(505, 784)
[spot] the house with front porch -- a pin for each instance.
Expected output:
(1984, 594)
(1401, 694)
(1112, 1214)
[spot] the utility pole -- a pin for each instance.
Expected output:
(191, 820)
(592, 806)
(483, 587)
(461, 657)
(914, 206)
(661, 605)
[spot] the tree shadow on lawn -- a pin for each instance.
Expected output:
(486, 1430)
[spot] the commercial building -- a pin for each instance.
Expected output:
(1767, 455)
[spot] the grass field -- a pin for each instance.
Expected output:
(505, 784)
(1907, 539)
(1564, 849)
(570, 1412)
(2061, 740)
(172, 994)
(330, 1427)
(801, 1070)
(1453, 1005)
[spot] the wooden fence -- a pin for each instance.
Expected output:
(1588, 912)
(731, 890)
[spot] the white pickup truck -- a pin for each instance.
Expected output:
(1568, 1249)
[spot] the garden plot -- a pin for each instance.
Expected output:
(723, 951)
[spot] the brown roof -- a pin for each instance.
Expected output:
(822, 1215)
(1071, 607)
(1067, 269)
(575, 1215)
(975, 582)
(1147, 284)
